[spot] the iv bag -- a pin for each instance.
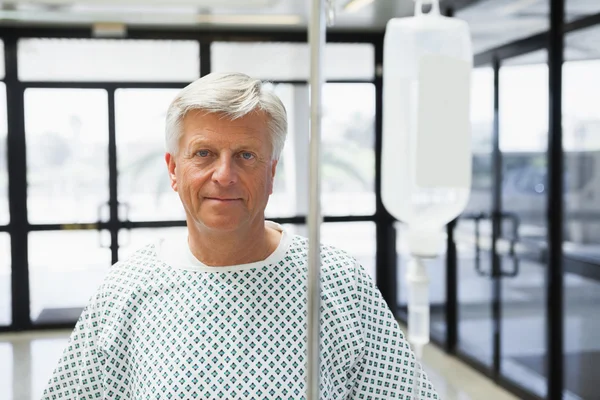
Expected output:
(426, 159)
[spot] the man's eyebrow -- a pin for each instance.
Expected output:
(238, 144)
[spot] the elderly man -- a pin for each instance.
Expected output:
(222, 315)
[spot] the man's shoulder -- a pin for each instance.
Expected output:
(134, 269)
(333, 259)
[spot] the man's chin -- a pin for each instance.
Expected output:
(222, 224)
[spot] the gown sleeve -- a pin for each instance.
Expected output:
(388, 368)
(79, 371)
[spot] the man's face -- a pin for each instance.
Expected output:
(224, 170)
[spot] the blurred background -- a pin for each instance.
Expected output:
(83, 95)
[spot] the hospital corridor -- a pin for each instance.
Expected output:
(300, 199)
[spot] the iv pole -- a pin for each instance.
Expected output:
(316, 39)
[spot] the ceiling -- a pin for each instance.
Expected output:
(497, 22)
(241, 14)
(492, 22)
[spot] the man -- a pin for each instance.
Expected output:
(222, 315)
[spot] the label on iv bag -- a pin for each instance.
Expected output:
(443, 142)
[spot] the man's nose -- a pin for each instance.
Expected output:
(225, 173)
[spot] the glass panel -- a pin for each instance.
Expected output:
(581, 143)
(67, 154)
(4, 211)
(524, 310)
(290, 61)
(581, 325)
(6, 370)
(436, 268)
(2, 69)
(5, 280)
(355, 238)
(108, 60)
(523, 143)
(482, 125)
(132, 240)
(143, 180)
(291, 178)
(348, 154)
(65, 269)
(474, 290)
(474, 298)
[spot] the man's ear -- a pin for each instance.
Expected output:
(273, 171)
(171, 166)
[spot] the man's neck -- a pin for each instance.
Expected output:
(232, 248)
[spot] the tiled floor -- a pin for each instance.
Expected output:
(27, 359)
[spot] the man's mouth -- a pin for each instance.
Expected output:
(225, 199)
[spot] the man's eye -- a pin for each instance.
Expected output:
(247, 156)
(203, 153)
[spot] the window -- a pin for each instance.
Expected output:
(143, 180)
(67, 154)
(108, 60)
(290, 61)
(65, 269)
(348, 154)
(5, 279)
(4, 212)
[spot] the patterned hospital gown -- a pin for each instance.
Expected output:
(164, 326)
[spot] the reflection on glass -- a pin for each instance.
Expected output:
(474, 299)
(355, 238)
(524, 310)
(5, 280)
(108, 60)
(65, 270)
(4, 212)
(436, 268)
(523, 142)
(132, 240)
(67, 154)
(143, 180)
(290, 61)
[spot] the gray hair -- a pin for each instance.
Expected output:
(232, 94)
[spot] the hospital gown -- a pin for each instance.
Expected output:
(164, 326)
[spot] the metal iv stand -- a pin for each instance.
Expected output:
(320, 9)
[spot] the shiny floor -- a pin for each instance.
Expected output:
(27, 359)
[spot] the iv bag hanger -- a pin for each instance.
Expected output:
(435, 7)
